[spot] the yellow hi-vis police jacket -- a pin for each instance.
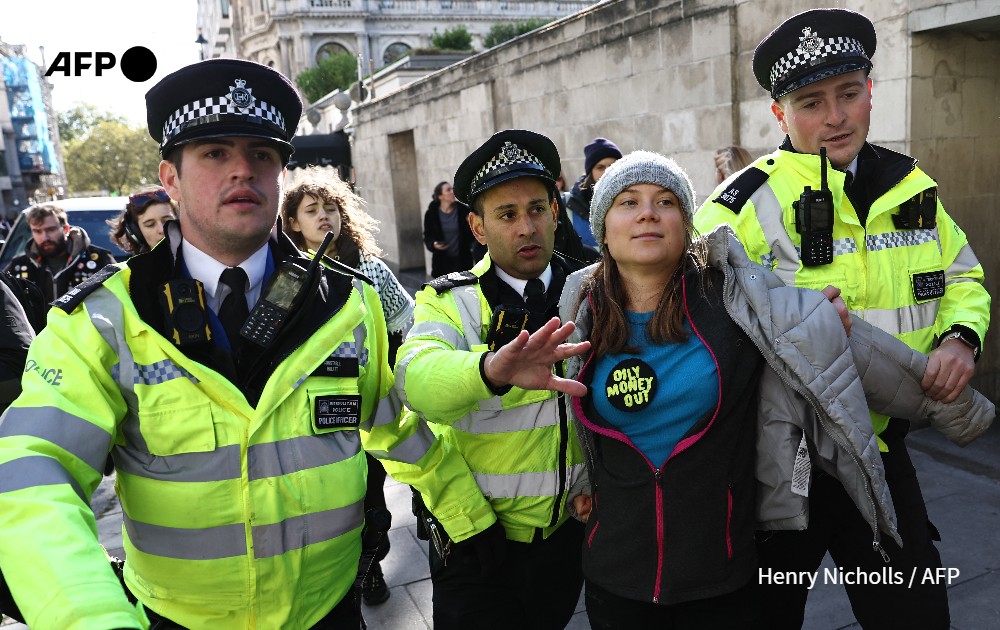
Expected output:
(912, 283)
(236, 515)
(521, 447)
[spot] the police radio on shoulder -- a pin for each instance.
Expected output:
(282, 295)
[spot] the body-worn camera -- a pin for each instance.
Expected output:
(506, 324)
(183, 304)
(814, 220)
(917, 212)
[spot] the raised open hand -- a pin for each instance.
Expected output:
(527, 361)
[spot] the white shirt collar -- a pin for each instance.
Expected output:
(518, 284)
(207, 270)
(852, 168)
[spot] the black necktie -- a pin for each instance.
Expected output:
(534, 296)
(234, 312)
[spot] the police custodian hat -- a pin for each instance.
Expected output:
(506, 155)
(813, 46)
(216, 98)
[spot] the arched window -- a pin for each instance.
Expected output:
(329, 49)
(394, 52)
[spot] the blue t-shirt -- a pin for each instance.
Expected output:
(656, 396)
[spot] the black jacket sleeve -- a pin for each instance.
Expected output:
(432, 227)
(15, 337)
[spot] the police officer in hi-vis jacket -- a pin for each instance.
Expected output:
(238, 439)
(469, 369)
(868, 221)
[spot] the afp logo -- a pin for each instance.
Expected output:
(138, 63)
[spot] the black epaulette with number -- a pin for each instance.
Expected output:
(72, 298)
(738, 192)
(450, 281)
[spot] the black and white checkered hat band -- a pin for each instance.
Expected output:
(832, 47)
(509, 155)
(210, 109)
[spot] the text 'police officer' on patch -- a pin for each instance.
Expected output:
(337, 366)
(928, 285)
(337, 412)
(631, 385)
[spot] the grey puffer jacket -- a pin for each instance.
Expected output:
(818, 389)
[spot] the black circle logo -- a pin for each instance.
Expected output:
(138, 64)
(631, 385)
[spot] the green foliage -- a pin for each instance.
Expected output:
(76, 123)
(499, 33)
(111, 156)
(457, 38)
(336, 72)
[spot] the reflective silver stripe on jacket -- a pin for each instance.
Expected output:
(498, 420)
(905, 319)
(438, 330)
(300, 453)
(360, 331)
(964, 263)
(219, 465)
(208, 543)
(84, 440)
(529, 484)
(443, 331)
(308, 529)
(469, 309)
(769, 215)
(228, 541)
(35, 471)
(107, 315)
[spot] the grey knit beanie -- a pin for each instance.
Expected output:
(638, 167)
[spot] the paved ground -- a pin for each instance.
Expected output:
(961, 487)
(963, 502)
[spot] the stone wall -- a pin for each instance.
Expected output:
(675, 77)
(646, 74)
(955, 132)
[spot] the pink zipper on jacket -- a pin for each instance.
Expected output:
(680, 447)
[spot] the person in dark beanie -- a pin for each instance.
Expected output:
(597, 156)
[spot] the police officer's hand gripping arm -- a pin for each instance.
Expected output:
(966, 304)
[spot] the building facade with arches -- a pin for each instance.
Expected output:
(293, 35)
